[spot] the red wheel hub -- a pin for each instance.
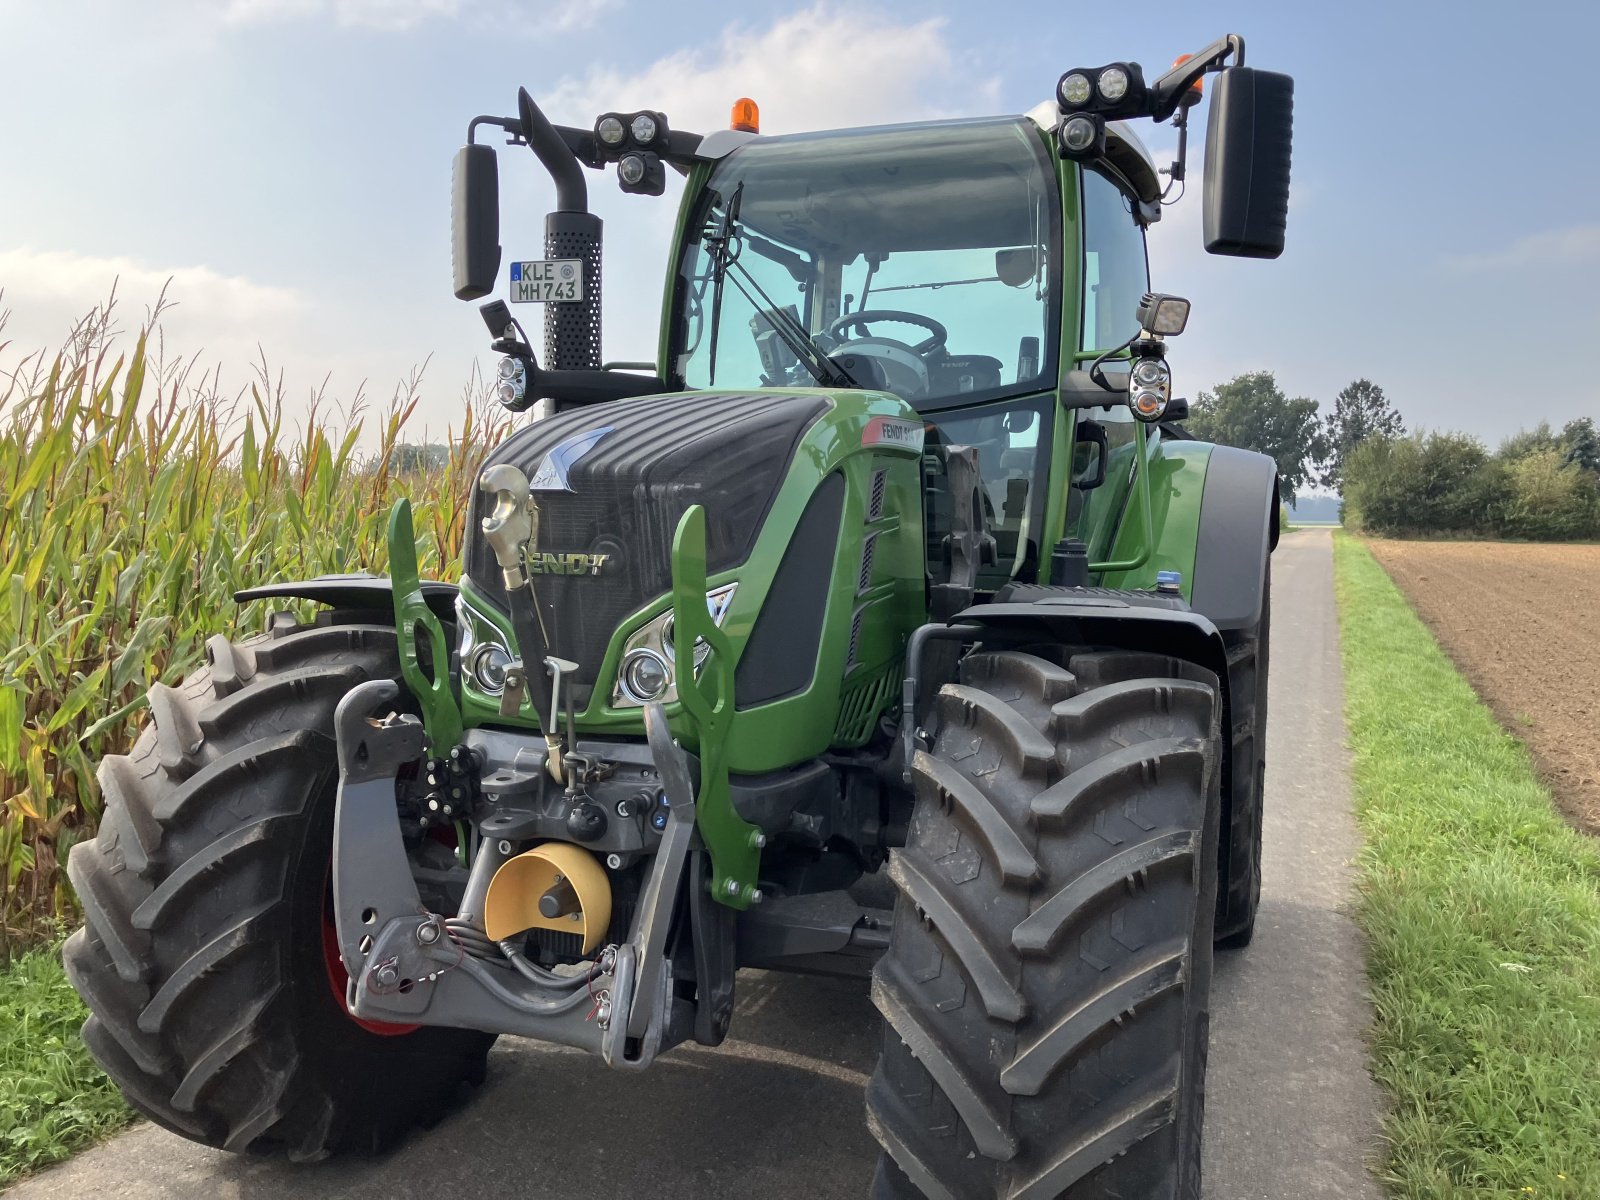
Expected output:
(339, 979)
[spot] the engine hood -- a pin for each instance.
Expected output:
(611, 483)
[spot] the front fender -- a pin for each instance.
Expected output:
(360, 591)
(1063, 618)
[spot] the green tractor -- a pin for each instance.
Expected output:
(887, 625)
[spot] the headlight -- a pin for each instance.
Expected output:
(488, 667)
(1075, 89)
(481, 649)
(644, 129)
(646, 672)
(631, 169)
(1113, 84)
(1149, 373)
(1079, 134)
(610, 130)
(1151, 389)
(512, 389)
(644, 675)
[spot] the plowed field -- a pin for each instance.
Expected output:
(1522, 622)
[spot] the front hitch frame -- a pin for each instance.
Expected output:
(404, 963)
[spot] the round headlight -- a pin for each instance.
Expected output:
(644, 676)
(1150, 373)
(644, 129)
(610, 131)
(1113, 84)
(631, 169)
(512, 389)
(1075, 89)
(1078, 134)
(488, 667)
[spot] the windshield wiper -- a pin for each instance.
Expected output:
(724, 257)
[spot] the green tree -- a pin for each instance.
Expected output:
(1251, 411)
(1525, 442)
(1426, 483)
(1580, 444)
(1360, 411)
(1549, 498)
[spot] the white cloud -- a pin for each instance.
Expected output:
(397, 16)
(1552, 247)
(821, 68)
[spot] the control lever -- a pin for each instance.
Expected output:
(559, 669)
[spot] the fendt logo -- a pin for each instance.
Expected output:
(540, 563)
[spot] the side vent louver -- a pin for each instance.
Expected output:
(869, 546)
(855, 636)
(880, 484)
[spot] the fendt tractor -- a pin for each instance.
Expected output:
(888, 625)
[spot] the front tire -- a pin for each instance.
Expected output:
(204, 895)
(1239, 888)
(1046, 988)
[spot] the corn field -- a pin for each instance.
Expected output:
(134, 500)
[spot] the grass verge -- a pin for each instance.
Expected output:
(1483, 913)
(53, 1099)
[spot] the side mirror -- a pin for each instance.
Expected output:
(1248, 136)
(475, 222)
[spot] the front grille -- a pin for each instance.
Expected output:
(729, 453)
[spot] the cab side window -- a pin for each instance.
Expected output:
(1115, 271)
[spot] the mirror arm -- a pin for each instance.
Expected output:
(1167, 92)
(511, 125)
(572, 193)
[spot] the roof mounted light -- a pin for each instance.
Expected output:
(610, 130)
(1112, 84)
(746, 116)
(644, 128)
(1115, 91)
(1082, 135)
(1074, 89)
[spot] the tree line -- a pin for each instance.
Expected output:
(1542, 484)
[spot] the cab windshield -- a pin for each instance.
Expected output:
(917, 260)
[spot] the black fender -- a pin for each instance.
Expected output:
(1124, 623)
(373, 592)
(1238, 530)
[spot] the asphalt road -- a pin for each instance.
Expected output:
(777, 1112)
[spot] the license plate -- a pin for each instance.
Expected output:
(547, 281)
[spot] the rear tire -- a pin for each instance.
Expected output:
(1046, 987)
(201, 958)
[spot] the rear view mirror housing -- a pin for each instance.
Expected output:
(1248, 141)
(475, 222)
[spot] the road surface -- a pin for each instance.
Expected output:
(777, 1112)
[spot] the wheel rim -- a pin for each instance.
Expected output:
(339, 979)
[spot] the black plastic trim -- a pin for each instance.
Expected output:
(780, 659)
(1238, 529)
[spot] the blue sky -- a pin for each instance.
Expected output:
(286, 163)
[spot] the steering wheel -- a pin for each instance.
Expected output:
(937, 333)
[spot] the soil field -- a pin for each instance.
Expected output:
(1520, 622)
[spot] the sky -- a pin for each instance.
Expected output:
(283, 167)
